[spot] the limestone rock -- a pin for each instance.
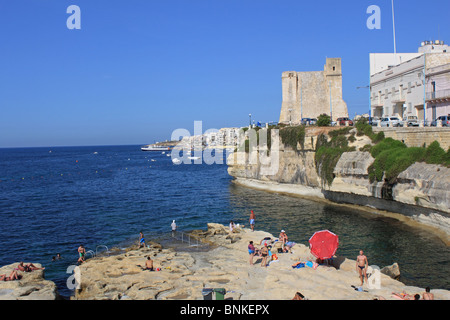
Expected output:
(426, 185)
(392, 271)
(184, 275)
(32, 285)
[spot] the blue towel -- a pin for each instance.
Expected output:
(298, 266)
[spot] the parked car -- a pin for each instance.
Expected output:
(391, 122)
(445, 121)
(412, 121)
(373, 121)
(308, 121)
(341, 121)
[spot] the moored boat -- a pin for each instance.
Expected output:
(152, 147)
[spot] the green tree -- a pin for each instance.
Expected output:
(324, 120)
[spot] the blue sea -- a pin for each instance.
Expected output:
(54, 199)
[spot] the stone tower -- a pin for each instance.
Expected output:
(308, 94)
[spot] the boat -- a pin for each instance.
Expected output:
(153, 147)
(176, 161)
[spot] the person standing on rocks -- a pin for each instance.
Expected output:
(361, 266)
(251, 251)
(252, 220)
(81, 253)
(174, 228)
(264, 254)
(141, 240)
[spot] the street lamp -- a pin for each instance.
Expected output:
(331, 105)
(250, 116)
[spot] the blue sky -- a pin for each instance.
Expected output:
(137, 70)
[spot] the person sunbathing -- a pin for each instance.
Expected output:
(405, 296)
(13, 276)
(28, 267)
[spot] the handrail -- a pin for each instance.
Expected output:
(440, 94)
(101, 245)
(91, 253)
(186, 238)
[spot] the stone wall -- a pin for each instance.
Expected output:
(417, 136)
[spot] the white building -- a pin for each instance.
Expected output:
(397, 81)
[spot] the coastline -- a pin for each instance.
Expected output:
(226, 265)
(315, 194)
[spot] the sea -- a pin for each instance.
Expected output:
(54, 199)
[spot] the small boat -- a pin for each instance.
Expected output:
(152, 147)
(176, 161)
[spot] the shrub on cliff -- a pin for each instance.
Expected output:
(328, 153)
(291, 136)
(386, 144)
(363, 128)
(434, 154)
(392, 157)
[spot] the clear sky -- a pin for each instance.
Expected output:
(139, 69)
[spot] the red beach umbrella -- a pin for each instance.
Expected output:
(323, 244)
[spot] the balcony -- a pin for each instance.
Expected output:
(398, 97)
(438, 96)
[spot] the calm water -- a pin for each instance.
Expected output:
(54, 201)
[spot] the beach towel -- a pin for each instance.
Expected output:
(299, 265)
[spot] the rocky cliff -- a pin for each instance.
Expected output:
(421, 192)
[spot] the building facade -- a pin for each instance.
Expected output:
(310, 94)
(438, 91)
(403, 84)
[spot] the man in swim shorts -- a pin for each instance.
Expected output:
(81, 253)
(252, 220)
(361, 266)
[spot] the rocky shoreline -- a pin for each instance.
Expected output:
(185, 274)
(31, 286)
